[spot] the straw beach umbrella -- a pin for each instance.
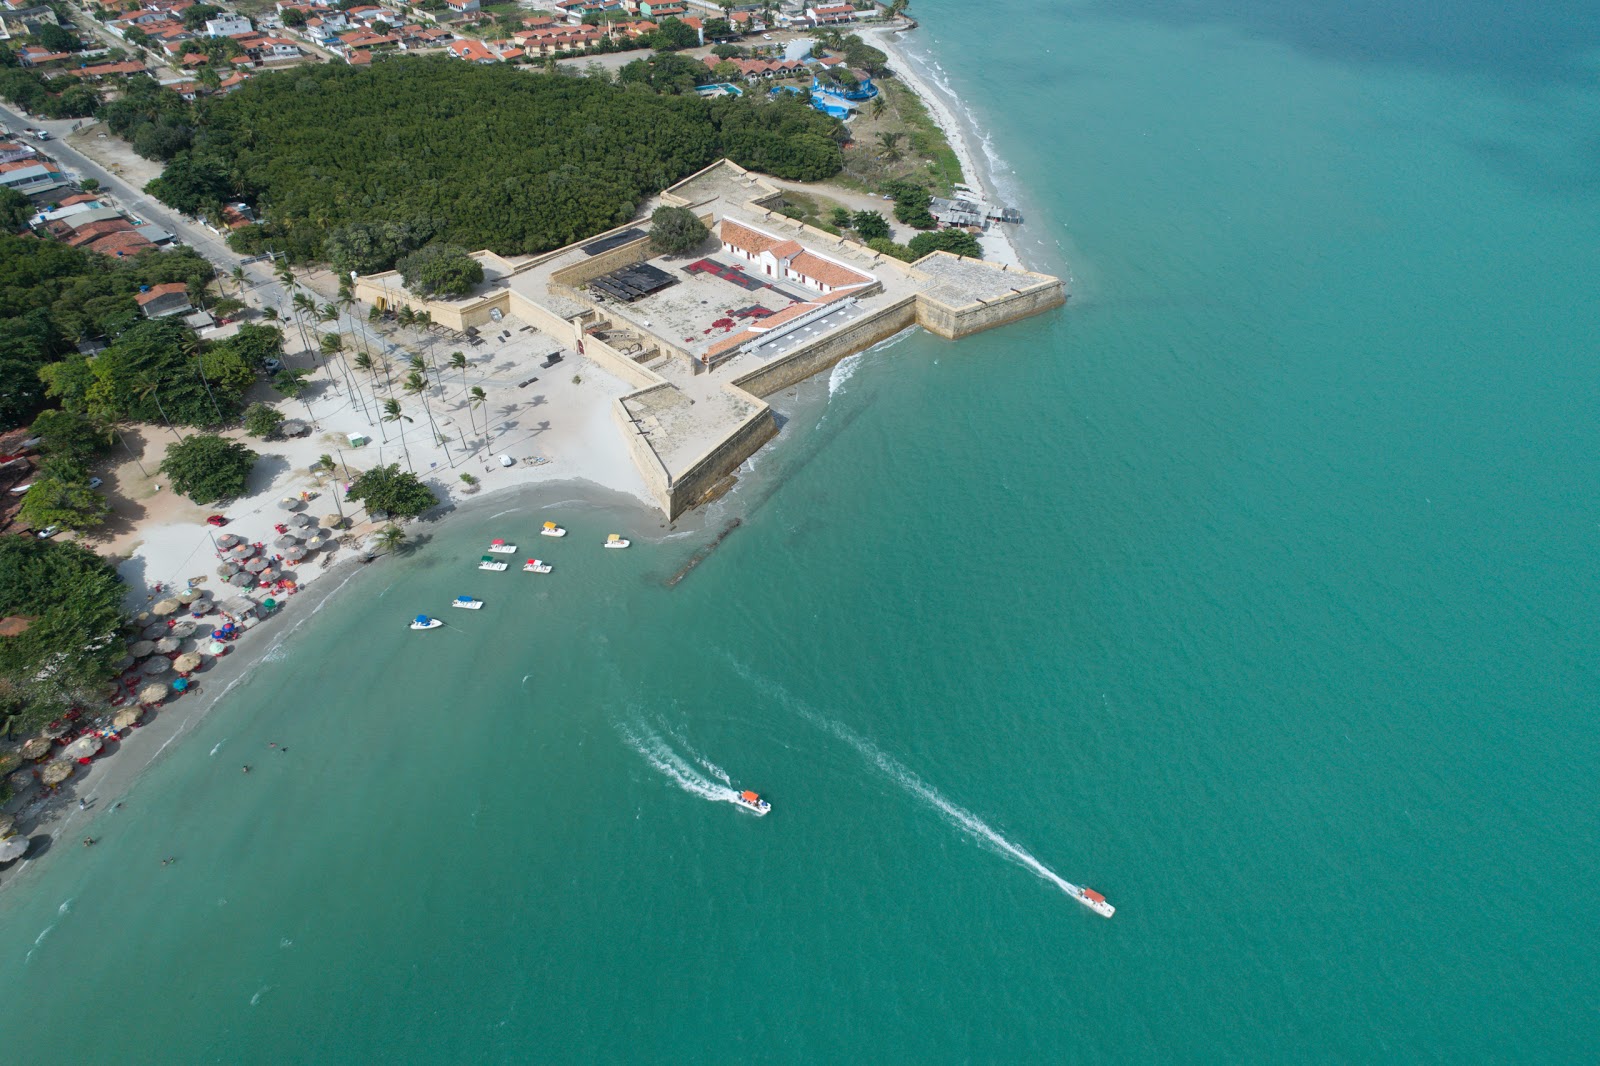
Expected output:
(288, 540)
(241, 551)
(318, 542)
(9, 762)
(184, 629)
(7, 824)
(294, 555)
(291, 503)
(301, 521)
(125, 719)
(255, 566)
(140, 648)
(36, 748)
(153, 693)
(186, 664)
(57, 772)
(14, 847)
(270, 575)
(123, 663)
(333, 521)
(167, 645)
(155, 667)
(21, 781)
(83, 747)
(228, 540)
(55, 730)
(166, 607)
(188, 595)
(242, 579)
(154, 632)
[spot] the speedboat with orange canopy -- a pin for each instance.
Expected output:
(1093, 900)
(552, 530)
(753, 803)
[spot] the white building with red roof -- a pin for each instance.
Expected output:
(783, 259)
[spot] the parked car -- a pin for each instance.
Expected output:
(273, 365)
(95, 482)
(48, 531)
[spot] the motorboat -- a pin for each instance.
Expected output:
(552, 530)
(534, 566)
(424, 622)
(489, 562)
(616, 540)
(753, 803)
(500, 546)
(1093, 900)
(467, 603)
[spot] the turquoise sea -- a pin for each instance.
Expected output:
(1256, 589)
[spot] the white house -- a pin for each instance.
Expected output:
(227, 26)
(830, 15)
(788, 260)
(462, 7)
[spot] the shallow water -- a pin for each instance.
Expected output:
(1255, 590)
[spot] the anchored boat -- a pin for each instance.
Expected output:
(615, 540)
(424, 622)
(753, 803)
(534, 566)
(467, 603)
(552, 530)
(489, 562)
(498, 545)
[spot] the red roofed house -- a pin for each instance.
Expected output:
(157, 301)
(472, 51)
(834, 13)
(121, 243)
(788, 260)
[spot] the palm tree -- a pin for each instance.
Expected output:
(417, 385)
(889, 141)
(392, 413)
(364, 362)
(405, 316)
(192, 347)
(148, 388)
(239, 278)
(390, 537)
(477, 398)
(270, 314)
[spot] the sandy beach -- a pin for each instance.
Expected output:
(997, 244)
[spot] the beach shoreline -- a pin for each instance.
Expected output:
(998, 245)
(114, 774)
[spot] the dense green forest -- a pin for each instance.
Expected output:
(52, 297)
(436, 149)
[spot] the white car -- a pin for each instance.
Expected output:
(766, 36)
(95, 483)
(273, 366)
(48, 531)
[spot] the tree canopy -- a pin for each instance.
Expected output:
(391, 490)
(676, 230)
(440, 269)
(207, 468)
(73, 601)
(367, 164)
(262, 420)
(61, 496)
(958, 241)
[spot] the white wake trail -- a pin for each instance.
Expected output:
(659, 753)
(907, 779)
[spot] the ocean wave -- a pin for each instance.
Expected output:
(842, 372)
(895, 770)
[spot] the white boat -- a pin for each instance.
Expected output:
(424, 622)
(491, 563)
(1093, 900)
(534, 566)
(614, 540)
(467, 603)
(753, 803)
(498, 545)
(552, 530)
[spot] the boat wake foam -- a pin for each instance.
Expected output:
(658, 753)
(906, 778)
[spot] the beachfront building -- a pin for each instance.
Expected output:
(227, 26)
(158, 301)
(831, 15)
(788, 259)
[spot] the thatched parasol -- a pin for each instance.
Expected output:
(7, 824)
(21, 781)
(125, 719)
(13, 847)
(294, 555)
(141, 618)
(167, 645)
(184, 629)
(165, 607)
(199, 607)
(188, 595)
(9, 762)
(241, 551)
(153, 632)
(255, 566)
(228, 569)
(241, 579)
(288, 540)
(153, 693)
(291, 503)
(55, 730)
(140, 648)
(317, 541)
(333, 521)
(186, 664)
(57, 772)
(293, 427)
(155, 666)
(83, 747)
(301, 521)
(36, 748)
(270, 574)
(228, 540)
(123, 663)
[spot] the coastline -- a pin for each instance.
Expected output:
(998, 245)
(115, 773)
